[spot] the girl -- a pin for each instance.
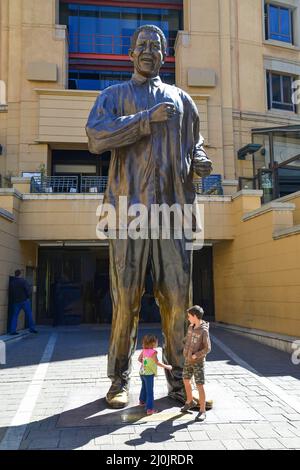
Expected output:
(149, 363)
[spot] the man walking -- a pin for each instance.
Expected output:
(152, 130)
(20, 297)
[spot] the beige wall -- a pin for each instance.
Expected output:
(228, 37)
(13, 253)
(73, 217)
(257, 276)
(63, 115)
(255, 250)
(28, 36)
(253, 270)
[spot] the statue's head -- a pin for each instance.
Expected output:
(148, 50)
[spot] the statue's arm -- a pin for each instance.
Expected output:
(106, 130)
(202, 165)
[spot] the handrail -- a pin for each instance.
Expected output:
(93, 184)
(97, 184)
(54, 184)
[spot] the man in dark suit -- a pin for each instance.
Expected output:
(20, 297)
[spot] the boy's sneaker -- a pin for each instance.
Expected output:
(152, 412)
(188, 406)
(201, 416)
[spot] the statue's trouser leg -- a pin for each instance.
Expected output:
(128, 263)
(172, 279)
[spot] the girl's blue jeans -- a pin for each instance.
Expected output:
(147, 393)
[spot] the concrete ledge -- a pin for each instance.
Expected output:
(274, 340)
(248, 192)
(62, 196)
(20, 179)
(213, 198)
(66, 92)
(272, 206)
(7, 215)
(10, 192)
(289, 197)
(230, 182)
(287, 232)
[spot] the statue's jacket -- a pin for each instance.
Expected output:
(150, 163)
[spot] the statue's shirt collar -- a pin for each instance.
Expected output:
(140, 80)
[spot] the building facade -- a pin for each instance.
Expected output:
(240, 61)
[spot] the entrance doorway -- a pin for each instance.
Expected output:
(73, 286)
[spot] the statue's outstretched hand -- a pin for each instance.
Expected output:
(202, 166)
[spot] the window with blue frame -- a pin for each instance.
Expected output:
(103, 29)
(280, 91)
(279, 23)
(100, 79)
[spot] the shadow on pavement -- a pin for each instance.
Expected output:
(49, 434)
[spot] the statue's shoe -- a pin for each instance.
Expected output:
(118, 400)
(178, 395)
(209, 405)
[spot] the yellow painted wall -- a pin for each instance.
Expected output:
(73, 217)
(227, 36)
(13, 254)
(28, 34)
(224, 36)
(63, 115)
(257, 277)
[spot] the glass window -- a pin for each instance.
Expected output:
(276, 87)
(279, 23)
(98, 80)
(280, 91)
(263, 156)
(102, 29)
(287, 89)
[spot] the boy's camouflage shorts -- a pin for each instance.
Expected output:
(196, 370)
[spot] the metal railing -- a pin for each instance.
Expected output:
(68, 184)
(54, 184)
(93, 184)
(94, 43)
(97, 184)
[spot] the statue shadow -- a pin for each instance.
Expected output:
(77, 427)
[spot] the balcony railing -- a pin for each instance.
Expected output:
(106, 44)
(54, 184)
(97, 184)
(93, 184)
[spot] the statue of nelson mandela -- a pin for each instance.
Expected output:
(152, 131)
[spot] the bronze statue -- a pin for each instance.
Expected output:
(152, 131)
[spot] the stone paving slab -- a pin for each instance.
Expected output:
(85, 408)
(70, 411)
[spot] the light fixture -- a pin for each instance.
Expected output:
(248, 149)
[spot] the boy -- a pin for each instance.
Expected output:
(197, 346)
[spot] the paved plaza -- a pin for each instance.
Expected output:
(53, 386)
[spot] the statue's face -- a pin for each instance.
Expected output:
(147, 54)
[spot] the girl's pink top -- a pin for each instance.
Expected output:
(148, 352)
